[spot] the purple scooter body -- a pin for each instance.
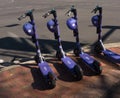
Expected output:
(99, 47)
(53, 26)
(87, 59)
(30, 29)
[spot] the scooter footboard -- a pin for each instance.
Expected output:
(69, 63)
(87, 58)
(112, 56)
(44, 68)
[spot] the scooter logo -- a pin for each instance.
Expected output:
(87, 58)
(45, 68)
(68, 62)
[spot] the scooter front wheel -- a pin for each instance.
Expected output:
(58, 55)
(78, 73)
(76, 52)
(97, 67)
(51, 80)
(98, 48)
(37, 58)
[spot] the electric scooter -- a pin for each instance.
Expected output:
(30, 29)
(90, 62)
(99, 46)
(53, 26)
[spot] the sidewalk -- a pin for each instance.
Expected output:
(24, 81)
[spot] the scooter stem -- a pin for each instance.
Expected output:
(75, 32)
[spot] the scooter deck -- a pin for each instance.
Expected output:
(44, 68)
(87, 58)
(68, 62)
(112, 56)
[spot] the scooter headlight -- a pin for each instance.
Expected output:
(51, 25)
(94, 20)
(71, 23)
(28, 29)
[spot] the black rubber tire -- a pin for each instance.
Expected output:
(98, 48)
(76, 52)
(51, 82)
(78, 73)
(36, 59)
(58, 55)
(97, 67)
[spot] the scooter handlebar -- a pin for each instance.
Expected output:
(46, 14)
(26, 14)
(50, 12)
(72, 10)
(21, 17)
(68, 13)
(96, 9)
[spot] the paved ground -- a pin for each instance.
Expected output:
(24, 81)
(14, 39)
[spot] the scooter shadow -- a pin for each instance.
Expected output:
(86, 70)
(107, 61)
(38, 80)
(62, 72)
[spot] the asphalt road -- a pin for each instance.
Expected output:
(14, 43)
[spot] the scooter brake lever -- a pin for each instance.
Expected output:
(68, 13)
(25, 14)
(95, 9)
(46, 15)
(21, 17)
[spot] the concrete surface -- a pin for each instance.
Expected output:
(15, 40)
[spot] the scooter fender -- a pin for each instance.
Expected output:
(112, 56)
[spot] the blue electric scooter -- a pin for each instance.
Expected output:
(53, 26)
(99, 47)
(29, 29)
(72, 24)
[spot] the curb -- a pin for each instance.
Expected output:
(86, 48)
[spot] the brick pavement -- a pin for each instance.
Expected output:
(25, 81)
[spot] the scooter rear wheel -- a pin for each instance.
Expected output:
(51, 82)
(78, 73)
(97, 67)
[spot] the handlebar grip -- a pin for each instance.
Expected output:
(21, 17)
